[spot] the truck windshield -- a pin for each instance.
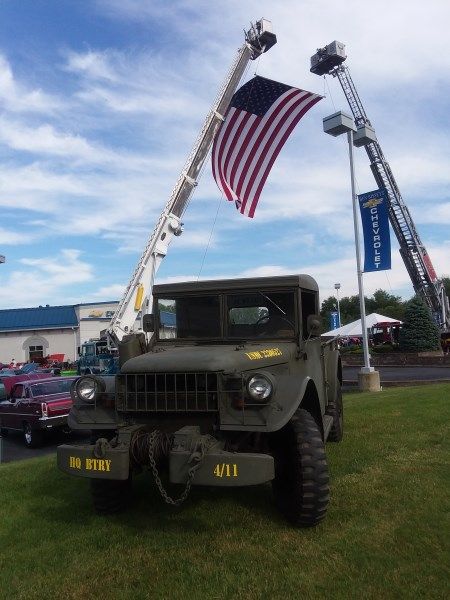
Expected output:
(189, 317)
(248, 315)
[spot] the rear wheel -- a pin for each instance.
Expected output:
(33, 438)
(110, 495)
(335, 409)
(300, 487)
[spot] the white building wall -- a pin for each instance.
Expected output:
(15, 344)
(92, 319)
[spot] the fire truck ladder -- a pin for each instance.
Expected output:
(329, 60)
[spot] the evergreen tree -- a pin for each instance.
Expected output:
(446, 282)
(419, 332)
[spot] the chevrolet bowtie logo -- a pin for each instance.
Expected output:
(373, 202)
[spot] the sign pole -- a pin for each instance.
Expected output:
(362, 304)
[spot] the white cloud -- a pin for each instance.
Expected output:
(113, 291)
(11, 238)
(17, 98)
(46, 280)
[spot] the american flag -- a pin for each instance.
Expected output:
(261, 116)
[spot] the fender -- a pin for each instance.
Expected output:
(300, 397)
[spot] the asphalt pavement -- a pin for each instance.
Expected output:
(13, 446)
(400, 375)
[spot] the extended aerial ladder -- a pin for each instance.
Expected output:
(135, 303)
(329, 61)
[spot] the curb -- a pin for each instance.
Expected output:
(352, 385)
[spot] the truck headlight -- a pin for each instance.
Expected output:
(259, 387)
(86, 389)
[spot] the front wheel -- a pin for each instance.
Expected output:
(33, 438)
(110, 495)
(300, 487)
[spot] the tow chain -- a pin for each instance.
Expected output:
(196, 457)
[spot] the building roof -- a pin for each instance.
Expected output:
(41, 317)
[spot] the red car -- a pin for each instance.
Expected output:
(36, 406)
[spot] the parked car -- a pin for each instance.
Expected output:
(36, 406)
(8, 378)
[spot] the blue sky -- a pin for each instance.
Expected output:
(102, 100)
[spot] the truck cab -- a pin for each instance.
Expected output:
(95, 357)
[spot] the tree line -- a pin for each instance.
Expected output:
(419, 332)
(381, 302)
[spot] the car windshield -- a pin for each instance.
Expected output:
(247, 315)
(47, 388)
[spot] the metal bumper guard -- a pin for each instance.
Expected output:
(214, 466)
(82, 462)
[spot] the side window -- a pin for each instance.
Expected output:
(309, 307)
(2, 391)
(18, 392)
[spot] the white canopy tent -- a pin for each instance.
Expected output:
(354, 329)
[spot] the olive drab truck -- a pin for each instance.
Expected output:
(242, 392)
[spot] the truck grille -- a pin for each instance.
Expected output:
(168, 392)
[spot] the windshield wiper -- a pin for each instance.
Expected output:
(277, 307)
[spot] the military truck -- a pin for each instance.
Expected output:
(244, 392)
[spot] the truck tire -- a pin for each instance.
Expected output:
(335, 409)
(300, 487)
(33, 438)
(110, 496)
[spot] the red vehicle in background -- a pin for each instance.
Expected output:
(34, 406)
(385, 332)
(9, 377)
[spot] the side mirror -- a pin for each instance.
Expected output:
(313, 325)
(78, 350)
(148, 322)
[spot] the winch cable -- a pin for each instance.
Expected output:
(152, 448)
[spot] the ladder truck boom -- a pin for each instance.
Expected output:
(138, 294)
(329, 61)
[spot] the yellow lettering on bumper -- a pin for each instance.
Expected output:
(97, 464)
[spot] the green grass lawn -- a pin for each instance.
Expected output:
(386, 534)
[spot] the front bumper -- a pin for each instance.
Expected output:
(215, 466)
(81, 461)
(52, 422)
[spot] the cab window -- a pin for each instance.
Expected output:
(309, 307)
(261, 315)
(88, 350)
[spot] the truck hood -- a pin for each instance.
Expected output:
(212, 358)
